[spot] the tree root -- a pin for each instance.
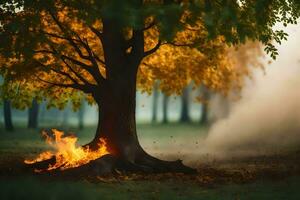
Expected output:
(161, 166)
(110, 164)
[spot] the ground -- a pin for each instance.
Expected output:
(260, 177)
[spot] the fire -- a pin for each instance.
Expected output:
(67, 153)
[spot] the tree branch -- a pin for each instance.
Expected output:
(91, 57)
(77, 62)
(86, 67)
(62, 56)
(95, 68)
(98, 33)
(100, 36)
(153, 23)
(64, 74)
(74, 85)
(76, 73)
(73, 43)
(178, 45)
(67, 37)
(100, 60)
(44, 51)
(92, 69)
(154, 49)
(58, 72)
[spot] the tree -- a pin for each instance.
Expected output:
(7, 115)
(165, 103)
(204, 106)
(185, 101)
(154, 103)
(43, 113)
(1, 112)
(33, 115)
(1, 101)
(61, 50)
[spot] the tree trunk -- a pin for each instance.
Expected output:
(1, 116)
(204, 106)
(42, 113)
(165, 119)
(184, 116)
(117, 117)
(117, 125)
(33, 114)
(7, 115)
(204, 114)
(155, 103)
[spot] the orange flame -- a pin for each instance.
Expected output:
(66, 153)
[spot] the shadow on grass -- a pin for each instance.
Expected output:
(32, 188)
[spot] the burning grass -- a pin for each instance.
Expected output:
(66, 152)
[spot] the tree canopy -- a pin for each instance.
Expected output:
(58, 50)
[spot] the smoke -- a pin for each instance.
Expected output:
(267, 118)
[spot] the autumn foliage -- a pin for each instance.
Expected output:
(65, 46)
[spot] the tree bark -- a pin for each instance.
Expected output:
(117, 126)
(33, 115)
(7, 115)
(117, 117)
(184, 116)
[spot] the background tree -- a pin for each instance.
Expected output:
(7, 115)
(205, 94)
(1, 113)
(33, 115)
(185, 104)
(42, 113)
(61, 50)
(155, 102)
(1, 101)
(165, 109)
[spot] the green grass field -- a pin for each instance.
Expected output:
(230, 181)
(30, 188)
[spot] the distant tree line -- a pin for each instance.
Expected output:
(185, 104)
(36, 114)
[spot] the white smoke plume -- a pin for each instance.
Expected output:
(267, 118)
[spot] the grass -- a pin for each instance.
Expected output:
(23, 143)
(28, 141)
(30, 188)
